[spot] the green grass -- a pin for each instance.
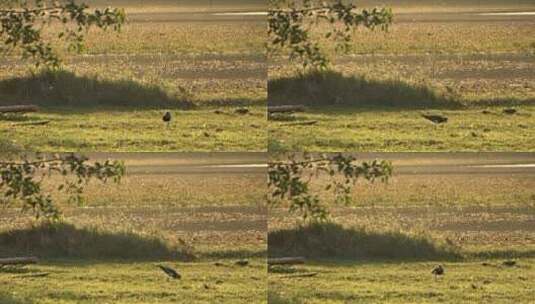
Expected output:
(98, 114)
(85, 265)
(111, 96)
(89, 281)
(350, 129)
(436, 209)
(371, 99)
(119, 129)
(377, 106)
(385, 255)
(409, 282)
(107, 249)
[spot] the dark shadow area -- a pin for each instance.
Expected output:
(332, 240)
(331, 88)
(61, 240)
(64, 88)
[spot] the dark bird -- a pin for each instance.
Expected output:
(509, 111)
(438, 271)
(509, 263)
(167, 118)
(242, 111)
(242, 263)
(435, 118)
(170, 272)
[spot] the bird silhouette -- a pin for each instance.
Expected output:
(509, 111)
(509, 263)
(170, 272)
(242, 263)
(242, 111)
(167, 118)
(438, 271)
(435, 118)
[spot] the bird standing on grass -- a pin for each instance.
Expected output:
(438, 271)
(170, 272)
(242, 263)
(167, 118)
(509, 111)
(509, 263)
(435, 118)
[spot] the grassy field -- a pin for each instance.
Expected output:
(169, 210)
(462, 65)
(136, 282)
(396, 251)
(349, 129)
(436, 210)
(110, 97)
(117, 129)
(372, 282)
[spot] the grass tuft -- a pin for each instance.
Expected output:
(62, 240)
(331, 240)
(64, 88)
(334, 88)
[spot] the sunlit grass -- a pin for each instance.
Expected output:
(348, 129)
(107, 249)
(77, 281)
(213, 65)
(410, 282)
(117, 129)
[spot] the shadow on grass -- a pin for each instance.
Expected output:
(64, 88)
(330, 240)
(61, 240)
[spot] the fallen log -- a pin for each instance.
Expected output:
(33, 123)
(18, 261)
(286, 109)
(19, 109)
(286, 261)
(303, 275)
(34, 275)
(303, 123)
